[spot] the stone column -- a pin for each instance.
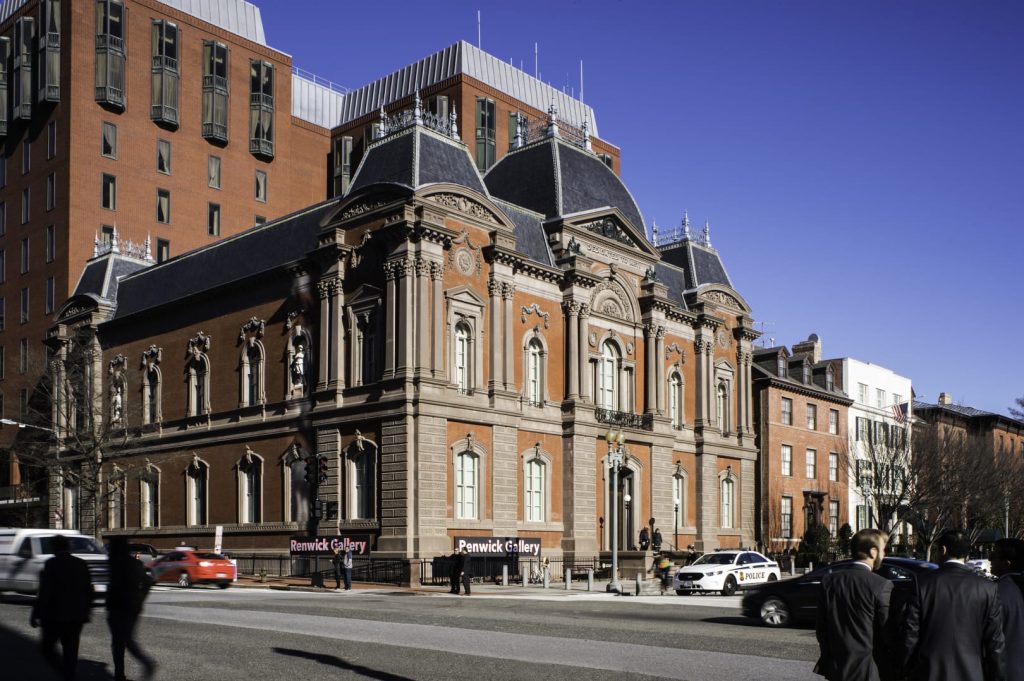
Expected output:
(659, 370)
(572, 334)
(704, 379)
(579, 495)
(748, 359)
(405, 329)
(586, 390)
(649, 372)
(494, 347)
(508, 291)
(337, 346)
(422, 317)
(390, 324)
(437, 333)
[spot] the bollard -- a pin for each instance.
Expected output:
(792, 567)
(590, 579)
(568, 579)
(546, 576)
(504, 575)
(638, 587)
(810, 566)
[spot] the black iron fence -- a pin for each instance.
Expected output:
(364, 569)
(438, 571)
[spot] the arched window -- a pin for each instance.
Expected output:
(463, 358)
(197, 479)
(608, 393)
(728, 503)
(466, 485)
(250, 489)
(675, 399)
(149, 497)
(534, 373)
(535, 499)
(116, 504)
(199, 383)
(252, 375)
(151, 396)
(722, 405)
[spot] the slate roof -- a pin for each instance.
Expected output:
(259, 249)
(701, 263)
(417, 156)
(102, 275)
(675, 279)
(557, 178)
(529, 232)
(968, 412)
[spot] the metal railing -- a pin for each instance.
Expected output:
(624, 419)
(364, 569)
(437, 571)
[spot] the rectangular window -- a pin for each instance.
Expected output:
(485, 124)
(51, 245)
(261, 108)
(3, 364)
(3, 310)
(342, 164)
(787, 460)
(215, 91)
(21, 71)
(3, 218)
(863, 432)
(49, 51)
(862, 393)
(879, 398)
(259, 220)
(811, 459)
(787, 411)
(23, 356)
(5, 56)
(107, 234)
(163, 157)
(833, 422)
(24, 255)
(24, 305)
(261, 186)
(49, 295)
(26, 201)
(51, 139)
(3, 169)
(833, 518)
(163, 250)
(787, 517)
(163, 206)
(110, 55)
(897, 398)
(833, 467)
(108, 141)
(812, 417)
(164, 74)
(109, 197)
(213, 172)
(26, 157)
(213, 219)
(51, 191)
(862, 517)
(3, 266)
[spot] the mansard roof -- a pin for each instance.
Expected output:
(557, 178)
(260, 249)
(101, 275)
(701, 263)
(414, 156)
(529, 232)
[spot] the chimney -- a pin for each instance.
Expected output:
(945, 398)
(811, 346)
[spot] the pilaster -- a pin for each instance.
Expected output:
(504, 485)
(396, 511)
(579, 492)
(748, 502)
(433, 454)
(707, 503)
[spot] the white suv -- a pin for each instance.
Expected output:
(23, 552)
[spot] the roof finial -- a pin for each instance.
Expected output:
(553, 119)
(706, 233)
(519, 138)
(654, 231)
(452, 117)
(417, 108)
(148, 256)
(96, 246)
(686, 225)
(383, 124)
(114, 247)
(586, 135)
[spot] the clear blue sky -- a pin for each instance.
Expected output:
(862, 163)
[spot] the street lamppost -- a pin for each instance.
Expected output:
(616, 442)
(675, 536)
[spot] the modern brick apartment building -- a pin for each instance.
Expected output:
(455, 345)
(151, 127)
(801, 415)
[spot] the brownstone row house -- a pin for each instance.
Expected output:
(456, 344)
(801, 416)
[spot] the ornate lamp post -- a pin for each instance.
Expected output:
(616, 449)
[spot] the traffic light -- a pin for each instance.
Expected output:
(322, 469)
(311, 471)
(318, 509)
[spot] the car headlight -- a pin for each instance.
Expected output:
(716, 572)
(205, 563)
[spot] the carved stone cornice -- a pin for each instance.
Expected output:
(361, 208)
(466, 206)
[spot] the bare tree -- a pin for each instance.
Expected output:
(880, 469)
(1018, 411)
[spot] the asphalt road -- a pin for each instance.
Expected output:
(249, 634)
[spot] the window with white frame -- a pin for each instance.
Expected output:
(780, 367)
(535, 372)
(787, 460)
(811, 461)
(71, 498)
(862, 393)
(786, 517)
(833, 422)
(250, 489)
(879, 398)
(830, 379)
(463, 357)
(812, 416)
(151, 395)
(199, 385)
(728, 503)
(535, 500)
(197, 479)
(466, 485)
(116, 505)
(608, 391)
(862, 517)
(252, 374)
(149, 497)
(833, 467)
(675, 400)
(787, 411)
(722, 405)
(679, 499)
(363, 468)
(806, 373)
(833, 518)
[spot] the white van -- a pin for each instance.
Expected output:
(23, 552)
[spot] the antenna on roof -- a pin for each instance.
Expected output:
(478, 43)
(536, 62)
(581, 80)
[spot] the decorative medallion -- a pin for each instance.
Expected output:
(464, 261)
(723, 339)
(592, 339)
(629, 348)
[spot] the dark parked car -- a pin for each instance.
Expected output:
(791, 601)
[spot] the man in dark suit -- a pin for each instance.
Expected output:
(953, 627)
(1008, 565)
(458, 563)
(852, 613)
(126, 593)
(62, 605)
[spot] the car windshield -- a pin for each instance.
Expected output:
(716, 559)
(209, 556)
(78, 545)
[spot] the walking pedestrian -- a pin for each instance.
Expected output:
(336, 564)
(953, 627)
(853, 610)
(466, 572)
(664, 568)
(346, 565)
(1008, 566)
(62, 606)
(126, 593)
(645, 539)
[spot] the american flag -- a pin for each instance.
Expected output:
(899, 412)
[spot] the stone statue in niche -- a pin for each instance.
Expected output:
(299, 366)
(117, 403)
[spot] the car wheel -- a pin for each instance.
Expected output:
(772, 578)
(680, 592)
(774, 612)
(223, 585)
(729, 588)
(184, 581)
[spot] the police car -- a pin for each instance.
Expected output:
(725, 572)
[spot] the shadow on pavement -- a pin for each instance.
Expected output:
(736, 621)
(333, 661)
(32, 667)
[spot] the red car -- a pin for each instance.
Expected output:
(189, 566)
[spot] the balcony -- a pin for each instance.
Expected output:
(112, 96)
(261, 147)
(162, 113)
(624, 419)
(215, 131)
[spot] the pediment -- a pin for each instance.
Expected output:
(609, 223)
(724, 297)
(77, 306)
(465, 294)
(366, 293)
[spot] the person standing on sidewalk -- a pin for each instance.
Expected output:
(62, 605)
(1008, 567)
(336, 564)
(127, 591)
(466, 573)
(458, 561)
(346, 565)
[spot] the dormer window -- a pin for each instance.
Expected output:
(807, 373)
(781, 366)
(830, 379)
